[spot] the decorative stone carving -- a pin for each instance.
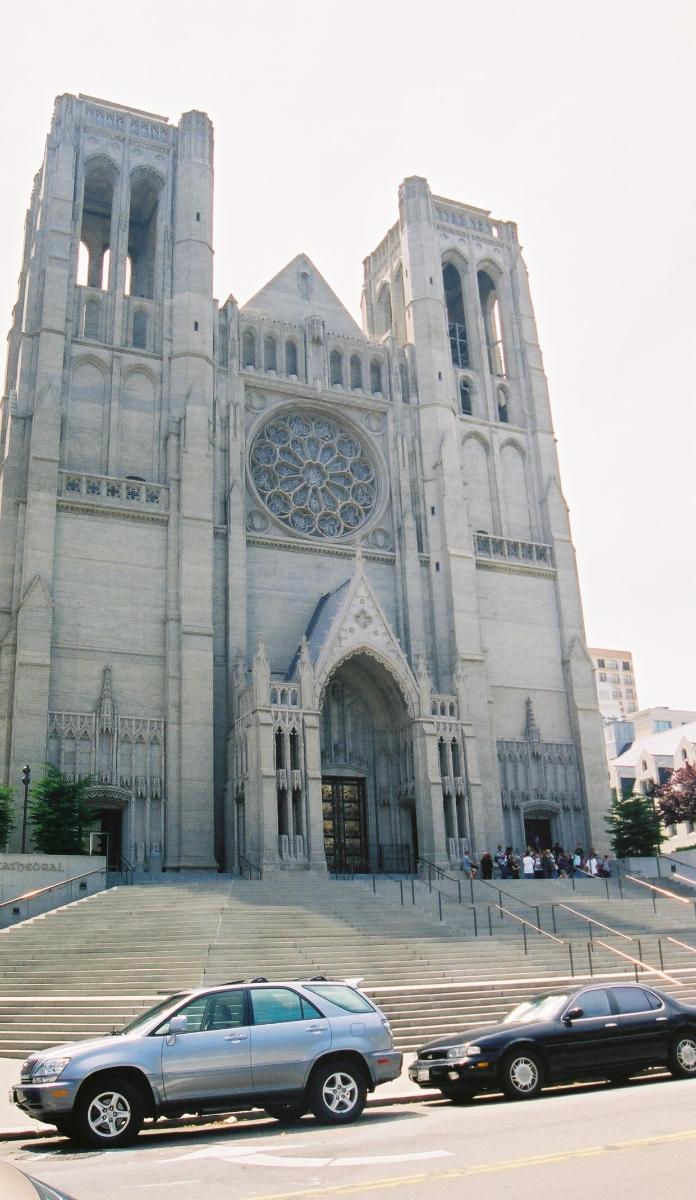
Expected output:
(380, 538)
(313, 475)
(255, 401)
(257, 521)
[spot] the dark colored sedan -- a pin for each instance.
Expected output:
(596, 1032)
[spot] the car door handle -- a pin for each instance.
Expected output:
(658, 1019)
(317, 1029)
(612, 1025)
(238, 1037)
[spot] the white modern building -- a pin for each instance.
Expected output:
(615, 682)
(290, 590)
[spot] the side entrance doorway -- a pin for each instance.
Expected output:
(111, 824)
(345, 824)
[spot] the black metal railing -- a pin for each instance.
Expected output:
(249, 869)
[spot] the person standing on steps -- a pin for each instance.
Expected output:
(528, 863)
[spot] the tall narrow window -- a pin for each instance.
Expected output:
(405, 390)
(140, 330)
(95, 233)
(465, 398)
(91, 325)
(270, 354)
(145, 187)
(290, 358)
(503, 412)
(490, 311)
(336, 367)
(456, 321)
(248, 349)
(304, 283)
(82, 265)
(106, 267)
(356, 379)
(375, 376)
(384, 310)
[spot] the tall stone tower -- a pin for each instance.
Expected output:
(106, 522)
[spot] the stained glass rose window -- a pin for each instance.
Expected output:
(313, 475)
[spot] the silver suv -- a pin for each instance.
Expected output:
(286, 1047)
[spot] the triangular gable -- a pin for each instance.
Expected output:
(348, 621)
(288, 298)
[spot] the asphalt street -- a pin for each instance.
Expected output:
(638, 1141)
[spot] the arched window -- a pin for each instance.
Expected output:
(106, 266)
(356, 379)
(375, 376)
(304, 284)
(248, 349)
(270, 354)
(95, 233)
(127, 287)
(465, 398)
(456, 321)
(91, 323)
(140, 330)
(442, 754)
(145, 187)
(82, 265)
(503, 412)
(490, 311)
(384, 310)
(336, 367)
(290, 357)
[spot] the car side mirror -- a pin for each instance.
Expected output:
(572, 1015)
(177, 1025)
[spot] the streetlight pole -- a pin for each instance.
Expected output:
(26, 780)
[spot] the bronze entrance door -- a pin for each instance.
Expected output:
(345, 826)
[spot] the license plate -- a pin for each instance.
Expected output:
(423, 1075)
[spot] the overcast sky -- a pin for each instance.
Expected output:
(574, 118)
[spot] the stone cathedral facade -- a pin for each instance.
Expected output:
(290, 591)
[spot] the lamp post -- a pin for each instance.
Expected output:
(26, 780)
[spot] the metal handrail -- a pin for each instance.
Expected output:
(684, 946)
(503, 892)
(593, 921)
(440, 874)
(536, 928)
(662, 891)
(638, 962)
(243, 861)
(52, 886)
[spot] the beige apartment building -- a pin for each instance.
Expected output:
(615, 681)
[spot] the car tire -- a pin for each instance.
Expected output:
(458, 1093)
(337, 1092)
(521, 1075)
(682, 1056)
(109, 1113)
(287, 1114)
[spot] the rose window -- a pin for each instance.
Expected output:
(313, 475)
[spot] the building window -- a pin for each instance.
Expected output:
(602, 677)
(456, 321)
(248, 349)
(290, 358)
(375, 376)
(601, 662)
(490, 311)
(503, 414)
(145, 189)
(660, 726)
(140, 330)
(95, 233)
(304, 285)
(336, 368)
(356, 377)
(627, 666)
(465, 398)
(270, 354)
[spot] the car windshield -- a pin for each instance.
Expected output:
(541, 1008)
(152, 1012)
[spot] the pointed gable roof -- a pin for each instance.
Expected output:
(281, 300)
(349, 620)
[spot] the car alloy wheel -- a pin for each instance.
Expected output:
(522, 1077)
(110, 1113)
(683, 1056)
(337, 1093)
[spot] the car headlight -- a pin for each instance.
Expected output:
(49, 1070)
(463, 1051)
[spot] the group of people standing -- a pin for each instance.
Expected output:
(536, 863)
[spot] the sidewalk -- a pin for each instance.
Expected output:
(14, 1124)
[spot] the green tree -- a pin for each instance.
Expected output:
(7, 816)
(635, 830)
(59, 813)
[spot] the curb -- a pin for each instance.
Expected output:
(13, 1135)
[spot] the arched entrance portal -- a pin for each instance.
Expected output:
(111, 806)
(367, 765)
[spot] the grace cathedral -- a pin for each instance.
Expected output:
(292, 592)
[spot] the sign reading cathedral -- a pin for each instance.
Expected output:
(291, 592)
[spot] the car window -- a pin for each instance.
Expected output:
(634, 1000)
(225, 1010)
(194, 1013)
(594, 1003)
(540, 1008)
(152, 1012)
(273, 1005)
(342, 996)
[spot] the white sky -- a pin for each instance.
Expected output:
(574, 118)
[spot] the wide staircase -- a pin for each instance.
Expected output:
(436, 957)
